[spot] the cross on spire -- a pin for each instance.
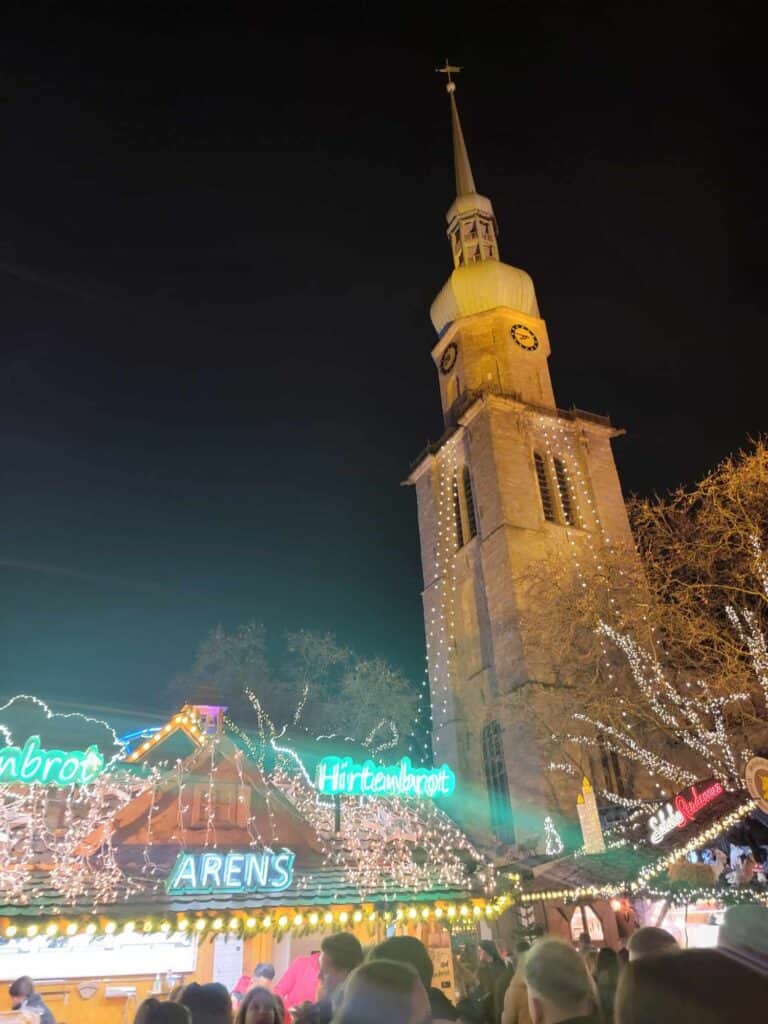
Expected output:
(448, 71)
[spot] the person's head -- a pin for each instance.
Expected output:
(383, 992)
(266, 971)
(339, 955)
(487, 952)
(208, 1004)
(259, 1006)
(650, 940)
(406, 949)
(522, 947)
(584, 941)
(744, 934)
(692, 986)
(152, 1011)
(559, 985)
(20, 990)
(607, 961)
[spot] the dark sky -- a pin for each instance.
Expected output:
(222, 230)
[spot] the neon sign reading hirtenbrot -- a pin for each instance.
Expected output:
(247, 871)
(31, 763)
(342, 775)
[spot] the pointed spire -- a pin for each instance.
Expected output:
(465, 182)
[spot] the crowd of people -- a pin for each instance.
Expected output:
(650, 981)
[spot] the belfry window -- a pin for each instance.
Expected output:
(502, 822)
(567, 504)
(457, 514)
(469, 501)
(545, 488)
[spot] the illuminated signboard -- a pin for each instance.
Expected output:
(756, 774)
(244, 871)
(686, 806)
(31, 763)
(342, 775)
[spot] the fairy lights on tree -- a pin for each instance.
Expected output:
(683, 731)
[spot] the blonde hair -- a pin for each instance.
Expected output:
(556, 972)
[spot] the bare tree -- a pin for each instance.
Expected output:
(656, 656)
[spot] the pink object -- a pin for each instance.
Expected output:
(299, 983)
(243, 984)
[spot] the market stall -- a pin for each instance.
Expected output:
(675, 864)
(206, 849)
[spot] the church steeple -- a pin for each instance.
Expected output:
(472, 226)
(465, 182)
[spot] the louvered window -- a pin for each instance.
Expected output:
(545, 488)
(567, 503)
(470, 503)
(497, 783)
(457, 514)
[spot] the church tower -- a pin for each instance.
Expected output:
(513, 485)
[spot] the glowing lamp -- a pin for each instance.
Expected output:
(71, 929)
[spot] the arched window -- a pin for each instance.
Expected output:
(545, 489)
(497, 784)
(566, 494)
(457, 514)
(470, 503)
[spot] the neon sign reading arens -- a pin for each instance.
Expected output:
(342, 775)
(247, 871)
(31, 763)
(684, 810)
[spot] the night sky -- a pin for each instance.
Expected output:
(222, 230)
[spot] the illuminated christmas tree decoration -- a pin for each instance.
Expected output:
(344, 776)
(30, 764)
(553, 844)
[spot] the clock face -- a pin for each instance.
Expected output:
(524, 337)
(448, 358)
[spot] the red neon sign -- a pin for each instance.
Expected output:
(690, 808)
(668, 818)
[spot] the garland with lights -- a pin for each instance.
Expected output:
(290, 920)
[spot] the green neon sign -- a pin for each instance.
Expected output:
(31, 763)
(342, 775)
(247, 871)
